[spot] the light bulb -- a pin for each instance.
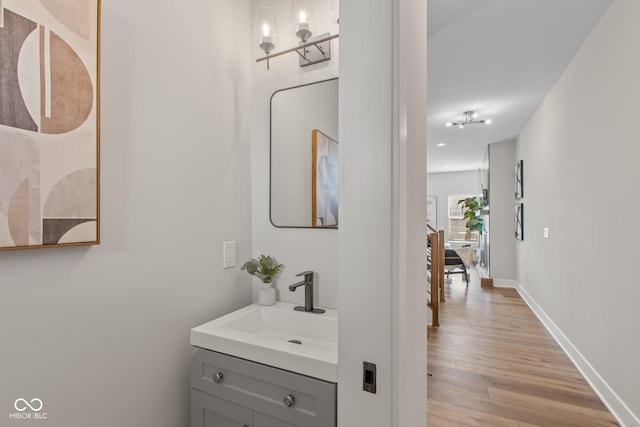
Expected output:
(442, 144)
(460, 126)
(265, 30)
(488, 121)
(449, 124)
(475, 115)
(303, 17)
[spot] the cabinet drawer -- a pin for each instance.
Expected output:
(210, 411)
(264, 389)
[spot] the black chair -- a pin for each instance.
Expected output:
(453, 264)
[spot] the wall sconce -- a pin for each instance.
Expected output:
(266, 30)
(335, 11)
(303, 19)
(311, 50)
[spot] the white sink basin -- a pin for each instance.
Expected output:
(263, 334)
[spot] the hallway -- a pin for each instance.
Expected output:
(494, 364)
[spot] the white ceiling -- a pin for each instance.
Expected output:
(499, 58)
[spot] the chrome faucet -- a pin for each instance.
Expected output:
(308, 293)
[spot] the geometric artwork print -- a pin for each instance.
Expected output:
(519, 221)
(519, 179)
(49, 123)
(324, 192)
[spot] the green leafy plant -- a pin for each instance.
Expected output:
(264, 268)
(472, 207)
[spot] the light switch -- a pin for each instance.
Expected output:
(229, 254)
(546, 233)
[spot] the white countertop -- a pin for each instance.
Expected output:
(262, 334)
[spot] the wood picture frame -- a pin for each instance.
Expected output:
(324, 180)
(50, 123)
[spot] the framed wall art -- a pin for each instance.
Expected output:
(49, 123)
(432, 211)
(324, 176)
(519, 221)
(519, 180)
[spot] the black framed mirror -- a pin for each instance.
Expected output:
(304, 158)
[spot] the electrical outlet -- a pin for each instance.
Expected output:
(229, 254)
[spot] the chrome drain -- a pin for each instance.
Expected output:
(295, 341)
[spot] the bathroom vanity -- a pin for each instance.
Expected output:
(265, 367)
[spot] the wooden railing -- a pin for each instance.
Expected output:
(436, 272)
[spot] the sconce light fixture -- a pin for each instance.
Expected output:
(303, 19)
(266, 29)
(335, 11)
(469, 119)
(302, 23)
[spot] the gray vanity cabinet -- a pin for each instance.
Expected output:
(228, 391)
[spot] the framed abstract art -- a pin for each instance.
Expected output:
(432, 211)
(324, 191)
(519, 179)
(49, 123)
(519, 221)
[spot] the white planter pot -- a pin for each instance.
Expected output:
(267, 295)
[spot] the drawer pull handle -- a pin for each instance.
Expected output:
(217, 378)
(289, 400)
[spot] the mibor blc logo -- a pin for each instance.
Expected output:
(28, 410)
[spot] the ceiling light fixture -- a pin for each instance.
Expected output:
(469, 119)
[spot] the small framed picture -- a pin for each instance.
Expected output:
(324, 177)
(519, 221)
(519, 180)
(432, 211)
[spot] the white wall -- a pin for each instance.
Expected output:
(101, 334)
(297, 249)
(410, 296)
(580, 154)
(382, 240)
(502, 263)
(443, 185)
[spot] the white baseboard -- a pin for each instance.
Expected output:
(504, 283)
(612, 401)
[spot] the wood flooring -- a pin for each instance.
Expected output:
(492, 363)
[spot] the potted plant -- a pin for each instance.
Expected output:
(472, 207)
(265, 268)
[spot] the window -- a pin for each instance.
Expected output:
(458, 231)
